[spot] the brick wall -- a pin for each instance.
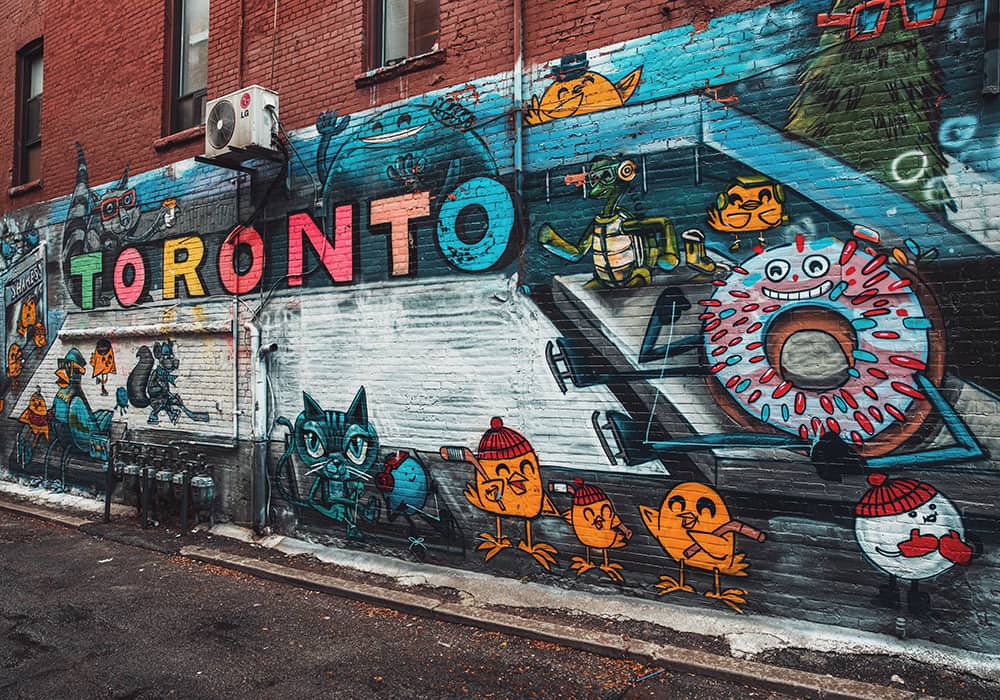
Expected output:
(722, 303)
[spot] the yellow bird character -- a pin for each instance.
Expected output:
(750, 204)
(508, 484)
(103, 363)
(596, 524)
(27, 318)
(694, 527)
(15, 364)
(36, 417)
(578, 90)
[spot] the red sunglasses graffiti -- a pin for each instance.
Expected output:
(110, 205)
(859, 24)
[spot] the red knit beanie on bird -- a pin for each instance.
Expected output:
(892, 496)
(502, 443)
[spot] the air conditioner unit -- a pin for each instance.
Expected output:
(242, 119)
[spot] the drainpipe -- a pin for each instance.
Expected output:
(518, 99)
(259, 358)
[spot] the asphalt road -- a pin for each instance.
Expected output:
(82, 617)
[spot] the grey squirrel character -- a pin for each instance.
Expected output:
(150, 381)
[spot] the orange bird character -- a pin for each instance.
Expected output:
(694, 527)
(36, 417)
(103, 363)
(508, 484)
(750, 204)
(579, 90)
(28, 317)
(596, 524)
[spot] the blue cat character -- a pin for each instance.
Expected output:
(339, 449)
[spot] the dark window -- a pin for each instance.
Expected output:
(402, 28)
(190, 64)
(991, 54)
(28, 157)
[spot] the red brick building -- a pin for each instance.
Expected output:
(713, 282)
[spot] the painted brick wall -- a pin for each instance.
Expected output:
(714, 321)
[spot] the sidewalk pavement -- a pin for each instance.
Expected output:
(704, 642)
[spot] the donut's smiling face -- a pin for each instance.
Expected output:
(802, 270)
(814, 267)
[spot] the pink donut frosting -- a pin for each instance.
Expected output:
(891, 341)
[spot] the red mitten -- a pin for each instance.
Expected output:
(918, 545)
(954, 549)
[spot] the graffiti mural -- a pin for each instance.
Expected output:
(98, 227)
(338, 450)
(727, 288)
(151, 382)
(330, 466)
(625, 249)
(102, 363)
(895, 139)
(71, 427)
(694, 527)
(417, 162)
(597, 525)
(749, 205)
(910, 531)
(876, 385)
(25, 307)
(409, 491)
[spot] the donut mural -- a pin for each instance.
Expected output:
(872, 316)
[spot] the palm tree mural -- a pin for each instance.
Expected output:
(871, 95)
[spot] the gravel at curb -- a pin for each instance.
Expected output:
(799, 683)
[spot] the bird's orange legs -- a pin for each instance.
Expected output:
(733, 597)
(612, 569)
(543, 553)
(493, 545)
(668, 584)
(581, 564)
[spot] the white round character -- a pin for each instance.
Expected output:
(908, 529)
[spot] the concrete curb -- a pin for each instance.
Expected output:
(790, 681)
(54, 516)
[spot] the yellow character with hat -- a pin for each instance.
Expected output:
(508, 484)
(750, 204)
(597, 525)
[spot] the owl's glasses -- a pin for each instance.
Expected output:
(866, 20)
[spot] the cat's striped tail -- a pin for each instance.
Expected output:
(77, 218)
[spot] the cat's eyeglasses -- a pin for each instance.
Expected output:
(111, 205)
(866, 20)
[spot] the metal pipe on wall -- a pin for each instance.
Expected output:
(260, 439)
(518, 98)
